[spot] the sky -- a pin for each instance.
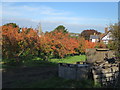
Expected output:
(75, 16)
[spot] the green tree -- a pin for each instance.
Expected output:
(61, 28)
(14, 25)
(116, 37)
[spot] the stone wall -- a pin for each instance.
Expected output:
(98, 55)
(73, 71)
(105, 73)
(100, 66)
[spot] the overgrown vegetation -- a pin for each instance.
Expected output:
(115, 44)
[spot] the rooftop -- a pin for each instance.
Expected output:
(94, 37)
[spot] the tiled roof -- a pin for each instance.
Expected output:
(94, 37)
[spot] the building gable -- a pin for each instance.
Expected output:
(107, 36)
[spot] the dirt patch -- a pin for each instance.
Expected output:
(22, 76)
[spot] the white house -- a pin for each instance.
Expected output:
(94, 38)
(107, 37)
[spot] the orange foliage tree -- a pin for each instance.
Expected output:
(60, 44)
(89, 44)
(17, 42)
(24, 42)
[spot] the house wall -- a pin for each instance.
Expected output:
(93, 40)
(105, 41)
(106, 38)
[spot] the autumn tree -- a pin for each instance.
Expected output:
(61, 43)
(9, 44)
(23, 42)
(16, 44)
(81, 48)
(89, 44)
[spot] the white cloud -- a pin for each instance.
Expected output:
(80, 20)
(13, 10)
(51, 25)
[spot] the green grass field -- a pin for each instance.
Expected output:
(36, 61)
(70, 59)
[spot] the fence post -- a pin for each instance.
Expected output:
(119, 67)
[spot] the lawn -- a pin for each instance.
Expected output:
(70, 59)
(36, 61)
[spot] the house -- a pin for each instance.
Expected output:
(104, 37)
(94, 38)
(107, 37)
(74, 34)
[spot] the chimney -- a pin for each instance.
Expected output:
(106, 30)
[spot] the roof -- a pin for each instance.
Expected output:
(103, 35)
(94, 37)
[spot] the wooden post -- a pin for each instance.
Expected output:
(119, 67)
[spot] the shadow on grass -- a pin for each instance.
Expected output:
(29, 62)
(37, 61)
(37, 73)
(57, 82)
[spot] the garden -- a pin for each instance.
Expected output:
(33, 56)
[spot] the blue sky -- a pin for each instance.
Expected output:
(75, 16)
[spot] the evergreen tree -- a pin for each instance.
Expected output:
(61, 28)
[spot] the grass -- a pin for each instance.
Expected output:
(34, 63)
(56, 82)
(37, 61)
(70, 59)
